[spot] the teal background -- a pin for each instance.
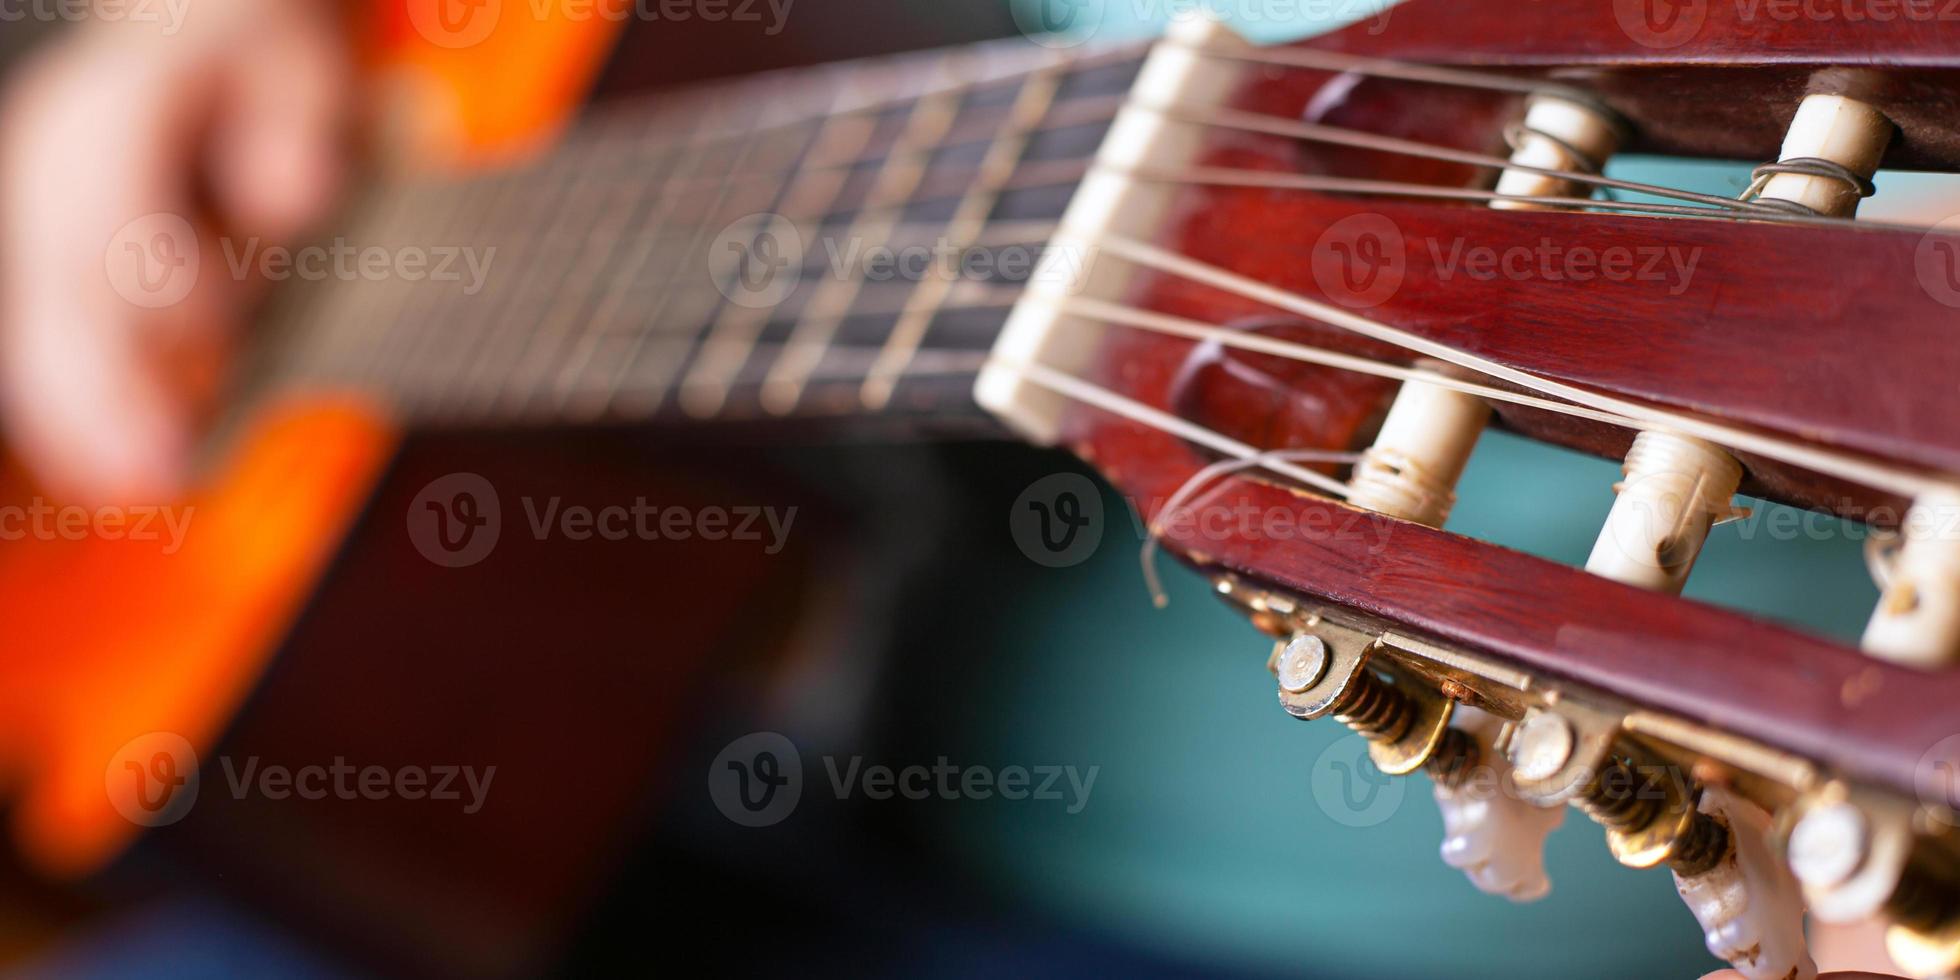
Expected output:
(1204, 836)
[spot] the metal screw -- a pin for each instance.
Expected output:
(1542, 746)
(1828, 845)
(1301, 663)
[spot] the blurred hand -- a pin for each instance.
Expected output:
(126, 151)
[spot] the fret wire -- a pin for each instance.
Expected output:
(533, 258)
(730, 340)
(410, 321)
(486, 312)
(427, 313)
(847, 362)
(347, 331)
(567, 378)
(897, 178)
(298, 333)
(317, 324)
(590, 209)
(430, 324)
(565, 329)
(1033, 176)
(968, 221)
(587, 265)
(655, 320)
(682, 311)
(1053, 124)
(391, 304)
(877, 100)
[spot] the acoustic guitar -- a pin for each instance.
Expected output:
(1223, 275)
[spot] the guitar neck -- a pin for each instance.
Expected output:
(839, 241)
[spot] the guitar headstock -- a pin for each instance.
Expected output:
(1371, 246)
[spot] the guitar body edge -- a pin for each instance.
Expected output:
(133, 640)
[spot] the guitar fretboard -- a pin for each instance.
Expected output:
(650, 265)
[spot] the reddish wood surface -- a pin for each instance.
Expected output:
(1834, 335)
(1816, 333)
(1718, 77)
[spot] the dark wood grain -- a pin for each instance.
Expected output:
(1815, 334)
(1835, 335)
(1724, 82)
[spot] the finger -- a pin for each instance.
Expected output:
(85, 163)
(276, 153)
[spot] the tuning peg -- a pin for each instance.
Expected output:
(1917, 621)
(1490, 833)
(1411, 470)
(1674, 489)
(1749, 904)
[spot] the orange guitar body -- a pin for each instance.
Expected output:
(113, 637)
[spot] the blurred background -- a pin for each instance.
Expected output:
(1193, 827)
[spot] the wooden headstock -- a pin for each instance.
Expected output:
(1250, 224)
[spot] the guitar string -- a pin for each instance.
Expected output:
(1142, 319)
(1321, 59)
(1830, 463)
(1720, 207)
(1147, 555)
(1088, 392)
(1271, 125)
